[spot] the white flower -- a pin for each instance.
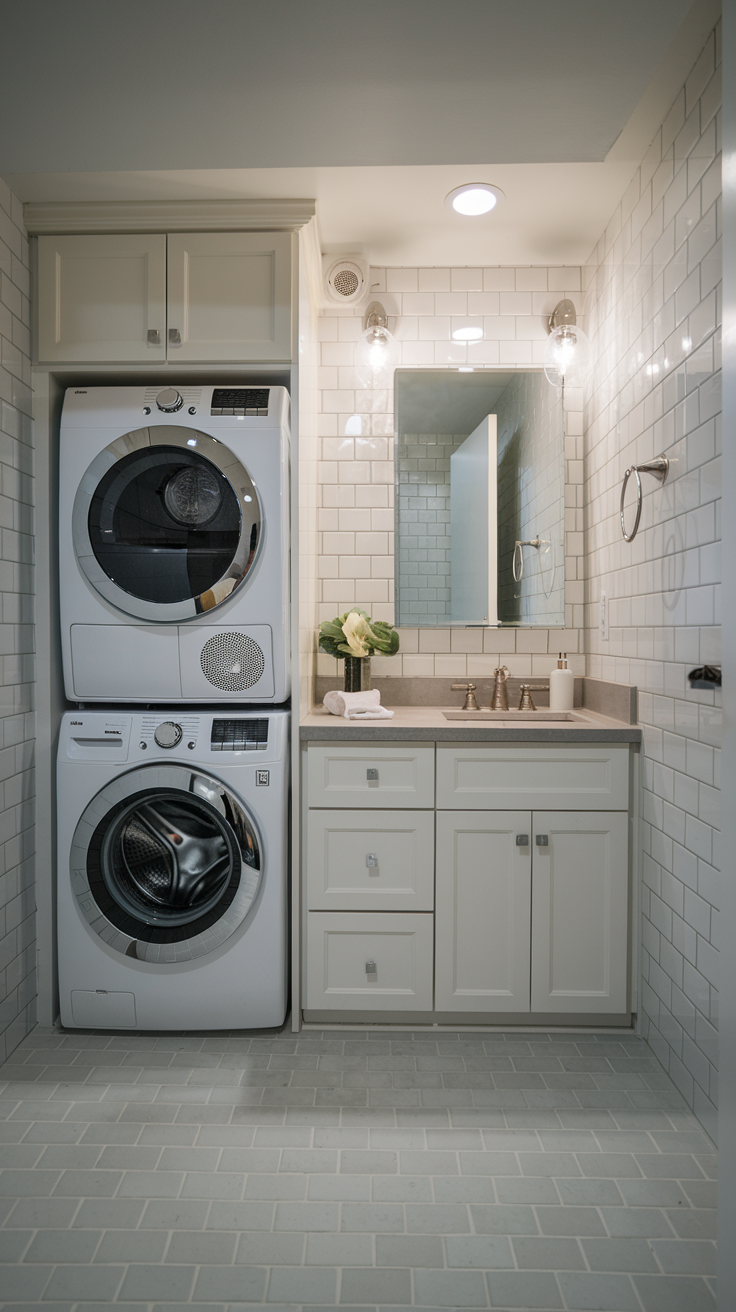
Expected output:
(356, 629)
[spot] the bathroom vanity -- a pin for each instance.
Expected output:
(468, 870)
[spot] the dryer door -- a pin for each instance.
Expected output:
(165, 863)
(167, 523)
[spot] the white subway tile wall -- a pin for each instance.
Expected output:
(356, 472)
(653, 313)
(17, 901)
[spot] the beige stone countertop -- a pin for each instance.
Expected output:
(428, 724)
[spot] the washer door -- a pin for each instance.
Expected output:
(165, 863)
(166, 523)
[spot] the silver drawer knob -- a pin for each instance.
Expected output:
(372, 776)
(371, 968)
(522, 840)
(371, 861)
(542, 840)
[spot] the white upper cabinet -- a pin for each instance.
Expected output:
(229, 296)
(192, 297)
(102, 299)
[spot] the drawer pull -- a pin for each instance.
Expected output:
(372, 776)
(371, 861)
(154, 337)
(174, 337)
(522, 840)
(371, 968)
(542, 840)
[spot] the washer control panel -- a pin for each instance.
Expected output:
(157, 731)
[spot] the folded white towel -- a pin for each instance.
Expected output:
(357, 705)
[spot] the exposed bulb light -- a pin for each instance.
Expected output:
(566, 356)
(377, 351)
(567, 350)
(474, 198)
(467, 334)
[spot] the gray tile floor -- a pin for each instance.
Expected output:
(364, 1168)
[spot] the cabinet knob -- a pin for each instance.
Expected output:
(174, 336)
(542, 840)
(522, 840)
(371, 968)
(372, 776)
(371, 861)
(154, 337)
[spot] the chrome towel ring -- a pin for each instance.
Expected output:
(658, 468)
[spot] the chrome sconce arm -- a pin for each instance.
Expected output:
(658, 468)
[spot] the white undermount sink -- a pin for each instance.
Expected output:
(543, 716)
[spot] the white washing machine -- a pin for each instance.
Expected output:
(172, 869)
(174, 544)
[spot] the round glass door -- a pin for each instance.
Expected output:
(166, 523)
(171, 869)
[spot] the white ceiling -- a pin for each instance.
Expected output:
(376, 110)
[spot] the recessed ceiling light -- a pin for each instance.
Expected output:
(474, 198)
(467, 334)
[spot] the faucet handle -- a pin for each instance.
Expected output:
(501, 673)
(470, 703)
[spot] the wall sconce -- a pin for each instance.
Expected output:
(567, 351)
(377, 351)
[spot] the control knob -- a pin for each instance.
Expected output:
(168, 734)
(169, 400)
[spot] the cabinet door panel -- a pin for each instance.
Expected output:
(370, 861)
(580, 912)
(586, 777)
(483, 906)
(378, 775)
(98, 298)
(396, 948)
(229, 296)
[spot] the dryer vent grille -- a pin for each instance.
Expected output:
(232, 661)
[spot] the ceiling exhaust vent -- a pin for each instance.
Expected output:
(346, 279)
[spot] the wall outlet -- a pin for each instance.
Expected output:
(603, 617)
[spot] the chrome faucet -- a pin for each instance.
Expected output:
(500, 697)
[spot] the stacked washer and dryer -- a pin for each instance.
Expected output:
(172, 886)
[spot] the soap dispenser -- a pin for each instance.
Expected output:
(561, 686)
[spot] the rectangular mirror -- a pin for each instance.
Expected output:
(480, 499)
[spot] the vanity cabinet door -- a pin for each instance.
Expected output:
(370, 861)
(229, 296)
(483, 909)
(580, 912)
(585, 777)
(362, 962)
(371, 775)
(102, 299)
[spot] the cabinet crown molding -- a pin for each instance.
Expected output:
(53, 217)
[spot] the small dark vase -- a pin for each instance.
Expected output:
(357, 674)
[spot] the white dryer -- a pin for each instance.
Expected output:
(172, 869)
(174, 544)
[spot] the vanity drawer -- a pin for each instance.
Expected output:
(543, 776)
(376, 861)
(341, 774)
(397, 947)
